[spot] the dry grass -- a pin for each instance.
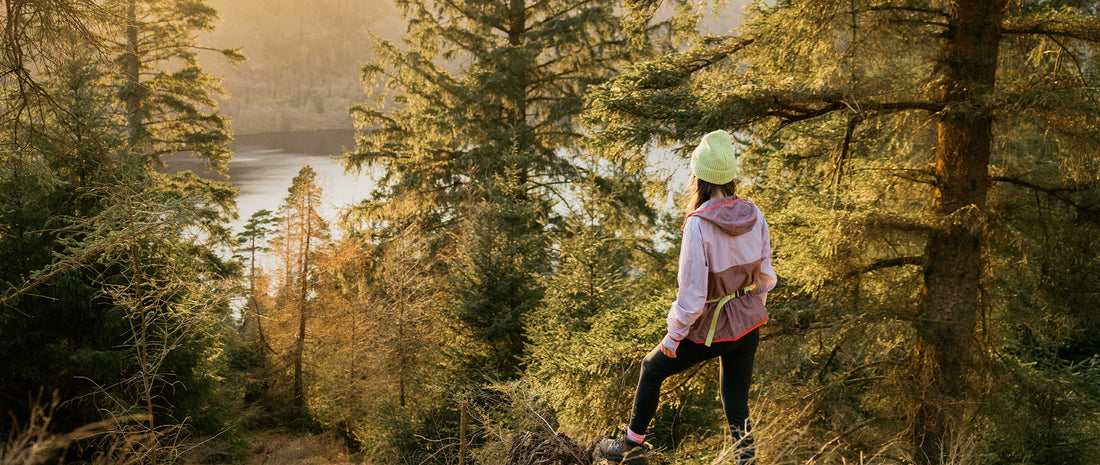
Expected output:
(124, 441)
(34, 443)
(289, 449)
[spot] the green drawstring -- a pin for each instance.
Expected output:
(722, 303)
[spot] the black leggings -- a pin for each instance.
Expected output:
(736, 359)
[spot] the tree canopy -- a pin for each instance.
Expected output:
(898, 145)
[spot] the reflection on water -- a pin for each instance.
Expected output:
(263, 165)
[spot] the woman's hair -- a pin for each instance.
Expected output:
(701, 191)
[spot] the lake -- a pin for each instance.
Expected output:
(263, 165)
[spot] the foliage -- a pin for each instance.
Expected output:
(934, 208)
(494, 285)
(251, 240)
(472, 122)
(303, 238)
(168, 98)
(377, 349)
(843, 111)
(583, 351)
(113, 295)
(111, 300)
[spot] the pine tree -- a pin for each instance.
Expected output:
(302, 240)
(506, 111)
(251, 240)
(890, 140)
(114, 291)
(167, 97)
(473, 129)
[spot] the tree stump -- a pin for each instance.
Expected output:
(531, 448)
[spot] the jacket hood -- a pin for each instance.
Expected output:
(734, 216)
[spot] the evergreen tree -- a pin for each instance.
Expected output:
(301, 243)
(167, 97)
(251, 240)
(32, 194)
(473, 129)
(376, 348)
(597, 285)
(893, 143)
(114, 294)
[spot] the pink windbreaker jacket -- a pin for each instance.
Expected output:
(725, 248)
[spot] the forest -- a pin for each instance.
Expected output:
(303, 61)
(929, 171)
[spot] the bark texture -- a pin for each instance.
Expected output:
(953, 255)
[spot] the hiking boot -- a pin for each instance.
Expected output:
(623, 451)
(745, 456)
(744, 448)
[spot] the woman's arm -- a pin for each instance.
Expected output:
(692, 279)
(767, 279)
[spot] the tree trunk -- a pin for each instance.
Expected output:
(518, 67)
(299, 351)
(131, 66)
(141, 341)
(257, 313)
(402, 359)
(950, 298)
(303, 295)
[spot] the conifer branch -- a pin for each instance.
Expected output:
(845, 148)
(890, 107)
(473, 15)
(1059, 193)
(535, 6)
(100, 246)
(887, 263)
(793, 113)
(1072, 56)
(1061, 25)
(920, 21)
(452, 33)
(909, 9)
(724, 49)
(565, 11)
(896, 172)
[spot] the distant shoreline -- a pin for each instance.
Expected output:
(289, 131)
(332, 142)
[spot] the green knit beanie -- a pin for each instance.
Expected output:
(713, 160)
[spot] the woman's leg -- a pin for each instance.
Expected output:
(736, 377)
(656, 368)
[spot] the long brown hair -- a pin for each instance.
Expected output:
(701, 191)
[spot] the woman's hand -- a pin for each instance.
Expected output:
(668, 346)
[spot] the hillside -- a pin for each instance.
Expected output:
(303, 60)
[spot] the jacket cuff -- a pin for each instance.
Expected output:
(670, 343)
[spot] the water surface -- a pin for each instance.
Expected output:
(264, 164)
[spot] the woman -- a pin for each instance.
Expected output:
(724, 278)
